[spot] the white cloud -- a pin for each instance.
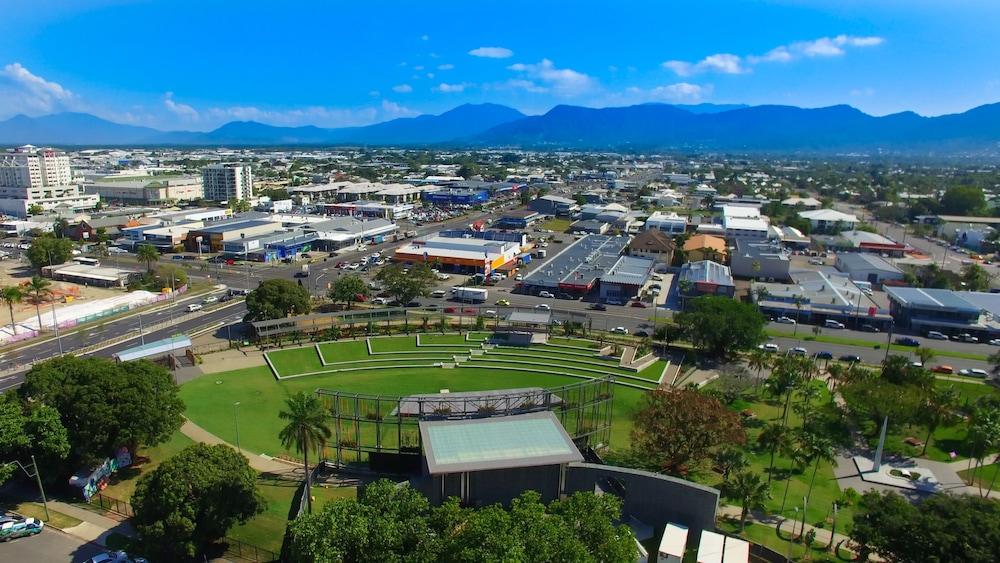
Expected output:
(374, 93)
(562, 81)
(392, 110)
(519, 84)
(418, 67)
(184, 111)
(727, 63)
(724, 63)
(492, 52)
(448, 66)
(678, 92)
(430, 75)
(402, 88)
(862, 92)
(30, 92)
(450, 88)
(425, 37)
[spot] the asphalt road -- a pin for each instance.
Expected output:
(51, 546)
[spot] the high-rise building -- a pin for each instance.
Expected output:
(231, 181)
(33, 176)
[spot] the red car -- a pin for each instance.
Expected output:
(470, 311)
(943, 369)
(449, 310)
(639, 304)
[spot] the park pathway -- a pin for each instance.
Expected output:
(260, 462)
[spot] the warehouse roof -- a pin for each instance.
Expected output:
(865, 261)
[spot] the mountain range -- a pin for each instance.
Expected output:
(646, 126)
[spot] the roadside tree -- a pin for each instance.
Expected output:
(404, 287)
(347, 289)
(277, 299)
(47, 249)
(721, 326)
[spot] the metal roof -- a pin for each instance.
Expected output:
(580, 263)
(706, 271)
(929, 298)
(629, 270)
(236, 226)
(526, 440)
(152, 349)
(865, 261)
(472, 402)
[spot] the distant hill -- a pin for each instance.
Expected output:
(646, 126)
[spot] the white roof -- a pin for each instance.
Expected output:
(710, 547)
(448, 253)
(737, 551)
(806, 201)
(674, 540)
(739, 212)
(746, 224)
(831, 215)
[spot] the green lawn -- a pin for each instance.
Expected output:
(267, 529)
(210, 399)
(37, 511)
(984, 475)
(456, 339)
(578, 342)
(877, 342)
(767, 536)
(825, 491)
(555, 225)
(123, 483)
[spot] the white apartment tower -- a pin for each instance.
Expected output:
(33, 176)
(230, 182)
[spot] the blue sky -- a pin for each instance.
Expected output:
(197, 64)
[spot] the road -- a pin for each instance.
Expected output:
(51, 546)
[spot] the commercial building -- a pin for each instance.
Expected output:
(861, 241)
(946, 311)
(868, 268)
(30, 176)
(554, 205)
(472, 255)
(744, 223)
(653, 244)
(518, 219)
(706, 247)
(456, 196)
(829, 220)
(340, 232)
(948, 226)
(368, 208)
(213, 237)
(579, 267)
(704, 278)
(817, 297)
(667, 222)
(625, 278)
(90, 275)
(89, 228)
(231, 181)
(273, 246)
(147, 191)
(590, 226)
(760, 260)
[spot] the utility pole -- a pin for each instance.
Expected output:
(34, 473)
(55, 324)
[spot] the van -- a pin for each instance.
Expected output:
(830, 323)
(194, 307)
(935, 335)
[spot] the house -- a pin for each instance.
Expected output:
(653, 244)
(805, 202)
(867, 267)
(760, 260)
(667, 222)
(829, 220)
(706, 247)
(705, 277)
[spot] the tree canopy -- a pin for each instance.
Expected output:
(963, 200)
(679, 428)
(720, 325)
(192, 499)
(27, 430)
(347, 289)
(276, 299)
(406, 286)
(47, 249)
(942, 528)
(105, 405)
(390, 523)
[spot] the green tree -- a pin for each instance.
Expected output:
(47, 249)
(729, 459)
(38, 288)
(747, 489)
(774, 437)
(35, 209)
(347, 289)
(681, 427)
(404, 287)
(925, 355)
(938, 410)
(814, 448)
(963, 200)
(11, 295)
(277, 299)
(308, 429)
(105, 405)
(29, 429)
(721, 326)
(170, 276)
(976, 278)
(193, 499)
(148, 255)
(240, 206)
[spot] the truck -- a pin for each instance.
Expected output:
(304, 272)
(471, 295)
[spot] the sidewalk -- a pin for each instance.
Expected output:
(823, 536)
(94, 527)
(260, 462)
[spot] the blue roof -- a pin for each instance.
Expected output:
(928, 298)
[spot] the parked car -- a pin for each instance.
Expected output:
(770, 347)
(785, 320)
(966, 337)
(830, 323)
(519, 277)
(641, 334)
(438, 293)
(598, 307)
(20, 528)
(852, 358)
(935, 335)
(995, 342)
(907, 341)
(380, 301)
(619, 330)
(943, 369)
(974, 372)
(824, 355)
(613, 302)
(543, 307)
(798, 351)
(639, 304)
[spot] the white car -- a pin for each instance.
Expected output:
(194, 307)
(545, 294)
(519, 277)
(785, 320)
(619, 330)
(379, 301)
(995, 342)
(769, 347)
(974, 372)
(438, 293)
(490, 313)
(798, 351)
(834, 324)
(543, 307)
(210, 299)
(443, 277)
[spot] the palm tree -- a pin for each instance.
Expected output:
(774, 437)
(148, 254)
(815, 448)
(307, 429)
(11, 296)
(747, 488)
(939, 410)
(39, 289)
(759, 360)
(836, 373)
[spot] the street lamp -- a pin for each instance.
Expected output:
(38, 479)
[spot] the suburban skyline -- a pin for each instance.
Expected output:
(195, 67)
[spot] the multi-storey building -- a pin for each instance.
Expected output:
(32, 176)
(231, 181)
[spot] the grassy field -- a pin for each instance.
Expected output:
(123, 483)
(555, 225)
(984, 475)
(210, 399)
(876, 342)
(267, 529)
(37, 511)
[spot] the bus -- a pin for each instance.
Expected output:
(87, 261)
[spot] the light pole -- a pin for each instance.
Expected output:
(198, 240)
(246, 257)
(142, 337)
(236, 419)
(38, 479)
(55, 324)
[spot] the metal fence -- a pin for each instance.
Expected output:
(111, 504)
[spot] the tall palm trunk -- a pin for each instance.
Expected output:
(13, 325)
(305, 460)
(930, 432)
(812, 481)
(38, 312)
(994, 478)
(770, 468)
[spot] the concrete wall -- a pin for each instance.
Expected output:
(494, 487)
(652, 498)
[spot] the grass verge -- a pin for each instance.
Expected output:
(862, 343)
(37, 511)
